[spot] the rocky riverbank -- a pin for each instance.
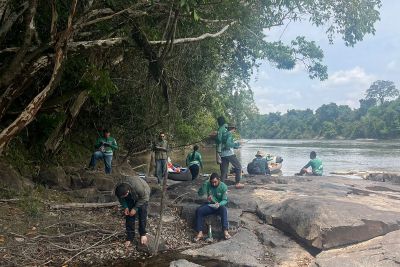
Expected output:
(274, 221)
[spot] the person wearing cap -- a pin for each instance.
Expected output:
(228, 156)
(133, 193)
(259, 165)
(315, 164)
(105, 146)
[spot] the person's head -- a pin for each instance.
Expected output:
(259, 154)
(195, 147)
(214, 179)
(313, 155)
(106, 133)
(122, 190)
(221, 121)
(231, 128)
(161, 136)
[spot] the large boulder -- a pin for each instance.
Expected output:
(393, 178)
(12, 180)
(242, 249)
(381, 251)
(54, 176)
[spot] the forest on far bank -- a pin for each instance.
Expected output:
(377, 117)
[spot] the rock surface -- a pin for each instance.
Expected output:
(380, 251)
(243, 249)
(319, 212)
(183, 263)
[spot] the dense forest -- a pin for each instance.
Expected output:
(69, 68)
(377, 118)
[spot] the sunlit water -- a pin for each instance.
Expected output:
(337, 155)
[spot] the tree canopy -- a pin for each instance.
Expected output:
(141, 66)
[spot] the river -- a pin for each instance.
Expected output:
(337, 155)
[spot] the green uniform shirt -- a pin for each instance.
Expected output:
(194, 159)
(218, 194)
(218, 140)
(106, 149)
(316, 165)
(160, 153)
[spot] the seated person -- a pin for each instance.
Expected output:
(259, 165)
(172, 168)
(217, 199)
(315, 164)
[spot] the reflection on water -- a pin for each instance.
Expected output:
(337, 155)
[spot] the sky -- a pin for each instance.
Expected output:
(351, 70)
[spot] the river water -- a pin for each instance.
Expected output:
(337, 155)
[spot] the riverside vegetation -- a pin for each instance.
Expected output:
(69, 68)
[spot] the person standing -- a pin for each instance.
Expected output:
(105, 147)
(222, 129)
(194, 162)
(133, 193)
(161, 149)
(228, 156)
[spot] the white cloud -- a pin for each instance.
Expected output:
(392, 65)
(353, 78)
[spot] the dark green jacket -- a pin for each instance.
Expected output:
(139, 192)
(218, 194)
(108, 149)
(194, 159)
(219, 138)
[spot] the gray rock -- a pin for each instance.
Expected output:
(12, 180)
(54, 176)
(183, 263)
(242, 249)
(381, 251)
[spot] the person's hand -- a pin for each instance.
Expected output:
(126, 212)
(209, 198)
(106, 144)
(132, 212)
(217, 205)
(143, 240)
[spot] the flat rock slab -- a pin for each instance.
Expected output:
(381, 251)
(183, 263)
(286, 251)
(242, 249)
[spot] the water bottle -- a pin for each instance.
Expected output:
(209, 237)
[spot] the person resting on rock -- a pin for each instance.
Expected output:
(217, 199)
(259, 165)
(134, 193)
(315, 164)
(104, 150)
(194, 162)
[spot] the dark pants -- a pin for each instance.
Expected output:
(194, 170)
(130, 223)
(161, 168)
(224, 167)
(206, 210)
(100, 155)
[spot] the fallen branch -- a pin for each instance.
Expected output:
(95, 244)
(84, 205)
(10, 200)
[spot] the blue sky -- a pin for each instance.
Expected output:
(351, 69)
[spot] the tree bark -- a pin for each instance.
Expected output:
(27, 116)
(84, 205)
(17, 64)
(8, 21)
(57, 136)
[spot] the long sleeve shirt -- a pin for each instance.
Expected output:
(110, 146)
(218, 194)
(139, 193)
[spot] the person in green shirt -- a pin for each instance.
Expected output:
(315, 164)
(105, 147)
(194, 162)
(217, 199)
(133, 193)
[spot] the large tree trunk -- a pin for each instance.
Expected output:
(16, 89)
(57, 136)
(28, 115)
